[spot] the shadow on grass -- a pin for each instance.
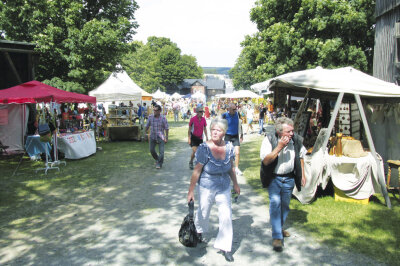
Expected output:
(93, 209)
(93, 212)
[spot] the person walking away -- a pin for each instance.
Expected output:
(261, 117)
(145, 112)
(206, 112)
(197, 126)
(213, 173)
(158, 134)
(140, 114)
(213, 111)
(176, 107)
(249, 116)
(282, 168)
(270, 112)
(233, 132)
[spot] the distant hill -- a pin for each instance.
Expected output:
(216, 70)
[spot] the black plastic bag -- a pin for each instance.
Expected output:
(187, 233)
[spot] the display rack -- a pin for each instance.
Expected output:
(48, 165)
(120, 124)
(116, 118)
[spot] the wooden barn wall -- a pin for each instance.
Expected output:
(384, 6)
(385, 49)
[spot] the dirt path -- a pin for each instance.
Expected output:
(137, 224)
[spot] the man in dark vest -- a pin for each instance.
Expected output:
(282, 167)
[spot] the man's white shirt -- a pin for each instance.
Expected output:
(285, 157)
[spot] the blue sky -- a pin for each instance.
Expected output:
(210, 30)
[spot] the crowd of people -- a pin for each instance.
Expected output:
(215, 163)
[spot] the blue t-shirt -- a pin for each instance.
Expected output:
(233, 123)
(215, 174)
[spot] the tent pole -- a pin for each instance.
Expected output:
(333, 118)
(303, 106)
(381, 179)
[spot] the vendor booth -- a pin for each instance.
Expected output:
(357, 176)
(35, 92)
(13, 125)
(121, 118)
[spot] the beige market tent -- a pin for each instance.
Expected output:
(340, 83)
(330, 82)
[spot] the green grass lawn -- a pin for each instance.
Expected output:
(371, 229)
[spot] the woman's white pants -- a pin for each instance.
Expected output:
(223, 201)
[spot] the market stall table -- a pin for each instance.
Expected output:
(357, 178)
(77, 145)
(124, 132)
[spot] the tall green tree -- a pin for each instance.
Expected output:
(301, 34)
(160, 64)
(79, 41)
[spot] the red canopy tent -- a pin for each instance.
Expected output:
(38, 92)
(13, 120)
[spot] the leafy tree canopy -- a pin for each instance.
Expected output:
(301, 34)
(159, 64)
(80, 41)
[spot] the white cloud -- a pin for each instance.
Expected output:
(210, 30)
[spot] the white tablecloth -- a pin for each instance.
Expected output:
(356, 177)
(76, 146)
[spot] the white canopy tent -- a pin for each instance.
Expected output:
(341, 83)
(199, 96)
(118, 87)
(261, 86)
(222, 95)
(176, 95)
(243, 94)
(160, 95)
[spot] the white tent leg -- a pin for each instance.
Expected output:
(333, 118)
(372, 148)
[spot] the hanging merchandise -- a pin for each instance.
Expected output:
(43, 128)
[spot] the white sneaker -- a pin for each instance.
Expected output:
(238, 172)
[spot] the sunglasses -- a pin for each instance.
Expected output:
(200, 111)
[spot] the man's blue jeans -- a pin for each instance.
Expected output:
(158, 157)
(280, 191)
(176, 115)
(261, 124)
